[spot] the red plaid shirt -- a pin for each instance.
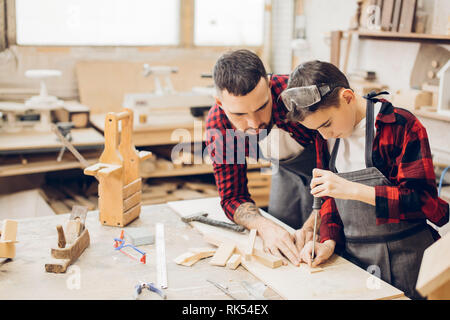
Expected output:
(402, 153)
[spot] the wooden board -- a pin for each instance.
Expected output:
(435, 268)
(31, 140)
(396, 15)
(339, 279)
(24, 204)
(407, 16)
(386, 15)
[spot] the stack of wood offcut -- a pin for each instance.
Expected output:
(162, 191)
(229, 253)
(62, 199)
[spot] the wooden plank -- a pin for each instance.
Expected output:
(222, 254)
(340, 279)
(132, 188)
(132, 201)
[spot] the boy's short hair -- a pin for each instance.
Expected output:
(238, 72)
(316, 73)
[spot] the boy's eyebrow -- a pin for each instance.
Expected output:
(323, 124)
(240, 114)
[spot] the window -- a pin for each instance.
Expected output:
(97, 22)
(230, 22)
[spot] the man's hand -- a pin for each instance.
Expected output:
(305, 234)
(276, 240)
(322, 251)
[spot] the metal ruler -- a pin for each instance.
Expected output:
(161, 270)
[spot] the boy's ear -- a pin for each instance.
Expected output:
(348, 95)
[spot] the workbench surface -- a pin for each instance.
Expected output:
(103, 273)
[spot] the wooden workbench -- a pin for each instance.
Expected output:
(109, 274)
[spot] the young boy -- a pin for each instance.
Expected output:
(375, 176)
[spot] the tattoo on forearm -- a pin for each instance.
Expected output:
(245, 213)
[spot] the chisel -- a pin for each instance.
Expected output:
(316, 207)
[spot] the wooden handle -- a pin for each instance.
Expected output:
(61, 237)
(122, 115)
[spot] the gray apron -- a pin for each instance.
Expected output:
(290, 197)
(393, 251)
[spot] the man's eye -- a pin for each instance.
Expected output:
(327, 125)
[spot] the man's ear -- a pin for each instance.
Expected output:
(348, 95)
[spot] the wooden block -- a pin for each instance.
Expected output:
(309, 269)
(73, 251)
(250, 244)
(185, 257)
(7, 250)
(222, 254)
(72, 230)
(194, 255)
(234, 261)
(9, 230)
(267, 259)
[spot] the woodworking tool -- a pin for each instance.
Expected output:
(317, 203)
(150, 286)
(58, 130)
(119, 244)
(222, 288)
(203, 218)
(161, 270)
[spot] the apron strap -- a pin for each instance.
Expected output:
(370, 134)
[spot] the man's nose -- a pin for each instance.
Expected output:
(253, 121)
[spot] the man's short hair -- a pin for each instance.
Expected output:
(238, 72)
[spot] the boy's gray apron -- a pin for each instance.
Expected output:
(290, 196)
(393, 251)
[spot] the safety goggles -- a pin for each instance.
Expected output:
(303, 97)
